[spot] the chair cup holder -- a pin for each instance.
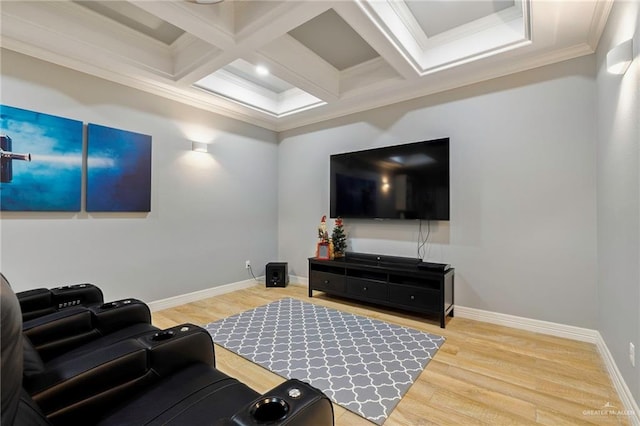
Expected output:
(162, 335)
(269, 410)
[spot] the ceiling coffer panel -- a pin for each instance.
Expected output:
(331, 38)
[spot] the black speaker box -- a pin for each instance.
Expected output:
(277, 274)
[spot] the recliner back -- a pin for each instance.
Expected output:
(17, 406)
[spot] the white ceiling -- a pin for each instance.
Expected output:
(325, 58)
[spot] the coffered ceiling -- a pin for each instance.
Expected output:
(283, 64)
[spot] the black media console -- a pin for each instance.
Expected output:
(398, 282)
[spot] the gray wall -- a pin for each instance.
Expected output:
(522, 234)
(209, 213)
(618, 180)
(545, 207)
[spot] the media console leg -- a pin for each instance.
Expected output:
(310, 292)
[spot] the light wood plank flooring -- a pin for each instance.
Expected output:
(483, 374)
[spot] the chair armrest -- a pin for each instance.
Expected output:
(90, 379)
(177, 347)
(64, 330)
(42, 301)
(292, 403)
(84, 294)
(95, 382)
(35, 303)
(61, 331)
(112, 316)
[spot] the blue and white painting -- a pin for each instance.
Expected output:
(41, 161)
(118, 170)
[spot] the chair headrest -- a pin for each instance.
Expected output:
(11, 351)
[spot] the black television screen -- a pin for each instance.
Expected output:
(409, 181)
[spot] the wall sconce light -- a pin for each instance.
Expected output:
(199, 146)
(385, 184)
(619, 58)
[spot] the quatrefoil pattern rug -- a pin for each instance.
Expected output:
(362, 364)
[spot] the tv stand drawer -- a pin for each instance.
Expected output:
(414, 298)
(327, 281)
(367, 289)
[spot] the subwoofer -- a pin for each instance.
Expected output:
(277, 274)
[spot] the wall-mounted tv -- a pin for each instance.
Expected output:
(408, 181)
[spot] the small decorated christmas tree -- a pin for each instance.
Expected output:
(339, 238)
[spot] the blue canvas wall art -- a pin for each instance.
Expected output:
(118, 170)
(40, 161)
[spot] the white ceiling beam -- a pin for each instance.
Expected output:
(290, 60)
(257, 24)
(70, 30)
(369, 76)
(362, 18)
(275, 19)
(190, 54)
(212, 23)
(601, 13)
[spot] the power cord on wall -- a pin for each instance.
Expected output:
(423, 241)
(251, 272)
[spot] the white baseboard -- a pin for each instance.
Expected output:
(568, 332)
(630, 405)
(294, 279)
(536, 326)
(170, 302)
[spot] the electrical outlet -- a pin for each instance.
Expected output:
(632, 354)
(247, 264)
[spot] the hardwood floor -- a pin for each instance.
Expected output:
(483, 374)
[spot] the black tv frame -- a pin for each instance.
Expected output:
(358, 184)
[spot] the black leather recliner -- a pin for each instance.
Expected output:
(83, 349)
(173, 382)
(71, 329)
(43, 301)
(62, 319)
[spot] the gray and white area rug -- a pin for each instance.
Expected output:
(362, 364)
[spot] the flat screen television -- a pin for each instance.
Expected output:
(408, 181)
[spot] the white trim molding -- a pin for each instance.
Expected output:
(182, 299)
(536, 326)
(630, 404)
(294, 279)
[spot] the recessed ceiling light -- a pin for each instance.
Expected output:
(262, 70)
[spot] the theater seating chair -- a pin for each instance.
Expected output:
(66, 318)
(78, 352)
(43, 301)
(174, 383)
(83, 329)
